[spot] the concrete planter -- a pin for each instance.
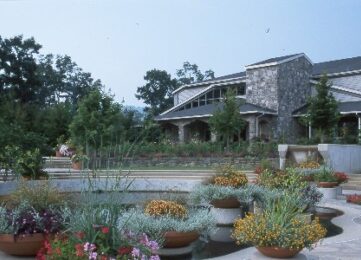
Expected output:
(328, 193)
(226, 216)
(223, 234)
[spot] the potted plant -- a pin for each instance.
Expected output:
(23, 229)
(174, 225)
(354, 198)
(29, 165)
(325, 178)
(94, 231)
(77, 160)
(279, 231)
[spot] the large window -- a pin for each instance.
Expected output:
(215, 95)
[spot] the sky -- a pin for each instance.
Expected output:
(118, 41)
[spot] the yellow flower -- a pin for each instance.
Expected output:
(164, 207)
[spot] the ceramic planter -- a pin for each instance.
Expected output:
(175, 239)
(27, 245)
(229, 203)
(278, 252)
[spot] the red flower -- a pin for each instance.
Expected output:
(124, 250)
(105, 230)
(79, 250)
(80, 234)
(103, 257)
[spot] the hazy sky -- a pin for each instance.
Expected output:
(118, 41)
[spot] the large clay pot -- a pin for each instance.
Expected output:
(27, 245)
(175, 239)
(327, 184)
(76, 165)
(229, 203)
(278, 252)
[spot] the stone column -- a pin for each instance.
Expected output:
(181, 133)
(251, 128)
(282, 151)
(213, 137)
(359, 127)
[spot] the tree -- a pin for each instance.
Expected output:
(226, 121)
(157, 91)
(190, 73)
(97, 121)
(322, 110)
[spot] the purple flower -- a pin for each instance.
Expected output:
(93, 256)
(153, 245)
(135, 252)
(154, 257)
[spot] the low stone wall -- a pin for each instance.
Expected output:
(247, 163)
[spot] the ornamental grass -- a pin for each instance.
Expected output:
(165, 207)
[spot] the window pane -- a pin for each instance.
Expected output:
(195, 103)
(217, 93)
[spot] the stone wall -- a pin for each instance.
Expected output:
(246, 163)
(262, 87)
(293, 90)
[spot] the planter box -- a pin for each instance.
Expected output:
(223, 234)
(328, 193)
(226, 216)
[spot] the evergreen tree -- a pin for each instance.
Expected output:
(226, 121)
(322, 110)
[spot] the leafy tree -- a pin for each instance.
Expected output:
(157, 91)
(97, 121)
(226, 121)
(190, 73)
(322, 110)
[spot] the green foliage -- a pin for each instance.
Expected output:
(322, 110)
(226, 121)
(97, 121)
(190, 73)
(325, 174)
(200, 220)
(157, 91)
(210, 192)
(40, 195)
(30, 164)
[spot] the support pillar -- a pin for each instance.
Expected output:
(181, 133)
(213, 137)
(252, 128)
(359, 127)
(309, 131)
(282, 151)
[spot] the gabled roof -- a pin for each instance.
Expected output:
(337, 66)
(274, 60)
(351, 107)
(208, 110)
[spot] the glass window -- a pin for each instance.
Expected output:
(188, 106)
(217, 93)
(202, 102)
(195, 103)
(241, 90)
(223, 92)
(210, 95)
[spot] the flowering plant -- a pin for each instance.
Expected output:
(309, 164)
(166, 207)
(341, 177)
(354, 198)
(279, 225)
(75, 246)
(26, 220)
(325, 175)
(228, 176)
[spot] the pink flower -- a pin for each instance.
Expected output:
(105, 230)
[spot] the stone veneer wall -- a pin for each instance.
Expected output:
(247, 163)
(262, 87)
(293, 90)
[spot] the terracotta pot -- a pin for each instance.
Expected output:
(175, 239)
(323, 184)
(229, 203)
(76, 165)
(58, 154)
(28, 245)
(278, 252)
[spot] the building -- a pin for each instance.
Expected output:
(274, 94)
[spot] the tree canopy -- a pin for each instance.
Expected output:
(226, 121)
(157, 92)
(322, 110)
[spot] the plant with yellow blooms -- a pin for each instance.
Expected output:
(165, 207)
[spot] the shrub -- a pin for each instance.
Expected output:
(354, 198)
(228, 176)
(325, 175)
